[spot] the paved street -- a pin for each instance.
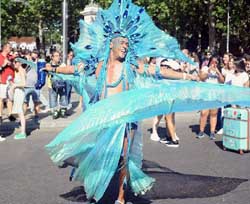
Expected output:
(198, 172)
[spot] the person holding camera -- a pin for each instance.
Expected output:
(6, 73)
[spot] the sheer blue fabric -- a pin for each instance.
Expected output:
(95, 139)
(83, 85)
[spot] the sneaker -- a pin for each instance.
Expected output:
(220, 132)
(20, 136)
(11, 118)
(200, 135)
(2, 139)
(55, 114)
(164, 141)
(176, 137)
(69, 106)
(173, 144)
(45, 110)
(63, 112)
(212, 136)
(119, 202)
(155, 137)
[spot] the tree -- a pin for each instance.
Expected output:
(193, 23)
(37, 18)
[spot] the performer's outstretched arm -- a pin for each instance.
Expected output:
(68, 69)
(165, 73)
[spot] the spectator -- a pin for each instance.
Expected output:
(247, 64)
(170, 118)
(17, 90)
(185, 67)
(189, 68)
(6, 73)
(226, 69)
(206, 59)
(210, 74)
(54, 92)
(195, 69)
(239, 77)
(29, 89)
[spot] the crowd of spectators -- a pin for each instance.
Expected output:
(210, 68)
(21, 87)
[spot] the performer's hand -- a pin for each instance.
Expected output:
(80, 67)
(193, 77)
(47, 68)
(196, 78)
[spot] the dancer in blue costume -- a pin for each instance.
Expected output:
(104, 139)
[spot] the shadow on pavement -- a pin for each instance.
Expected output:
(73, 109)
(8, 128)
(169, 185)
(219, 144)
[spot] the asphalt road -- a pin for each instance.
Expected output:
(198, 172)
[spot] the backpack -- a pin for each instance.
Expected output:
(59, 85)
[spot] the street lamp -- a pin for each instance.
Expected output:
(0, 26)
(65, 30)
(228, 24)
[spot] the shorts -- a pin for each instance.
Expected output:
(3, 91)
(34, 93)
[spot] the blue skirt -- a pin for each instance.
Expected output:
(96, 138)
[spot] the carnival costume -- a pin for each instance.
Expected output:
(95, 139)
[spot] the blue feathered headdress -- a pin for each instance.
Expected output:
(124, 18)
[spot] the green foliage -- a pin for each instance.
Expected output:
(184, 19)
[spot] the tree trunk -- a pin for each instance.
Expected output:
(40, 35)
(211, 25)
